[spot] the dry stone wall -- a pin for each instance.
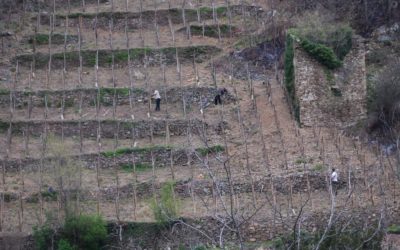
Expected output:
(162, 156)
(331, 97)
(193, 96)
(110, 128)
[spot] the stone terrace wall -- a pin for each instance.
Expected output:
(326, 97)
(162, 156)
(192, 95)
(124, 129)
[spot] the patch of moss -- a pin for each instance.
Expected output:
(290, 77)
(4, 92)
(210, 150)
(124, 151)
(43, 39)
(300, 161)
(139, 167)
(207, 11)
(329, 76)
(318, 167)
(394, 229)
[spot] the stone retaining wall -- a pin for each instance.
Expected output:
(147, 17)
(192, 95)
(110, 128)
(183, 188)
(162, 156)
(331, 97)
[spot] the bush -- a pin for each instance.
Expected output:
(42, 236)
(85, 231)
(210, 150)
(386, 103)
(166, 208)
(321, 53)
(65, 245)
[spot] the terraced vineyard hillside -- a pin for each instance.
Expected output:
(79, 130)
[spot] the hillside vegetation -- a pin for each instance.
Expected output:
(259, 103)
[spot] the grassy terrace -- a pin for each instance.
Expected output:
(120, 57)
(123, 151)
(43, 39)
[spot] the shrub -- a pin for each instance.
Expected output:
(386, 93)
(42, 236)
(300, 161)
(318, 167)
(166, 208)
(85, 231)
(65, 245)
(124, 151)
(139, 167)
(210, 150)
(321, 53)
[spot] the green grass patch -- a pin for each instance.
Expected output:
(4, 92)
(167, 207)
(139, 167)
(210, 150)
(43, 39)
(329, 76)
(300, 161)
(318, 167)
(394, 229)
(124, 151)
(207, 11)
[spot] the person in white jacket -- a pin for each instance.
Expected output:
(334, 181)
(157, 96)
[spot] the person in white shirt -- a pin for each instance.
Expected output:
(334, 181)
(157, 96)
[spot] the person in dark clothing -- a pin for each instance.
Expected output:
(217, 99)
(220, 93)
